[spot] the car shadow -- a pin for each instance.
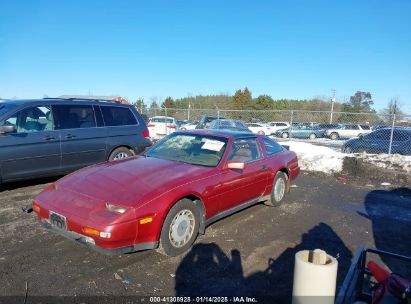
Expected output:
(207, 271)
(390, 216)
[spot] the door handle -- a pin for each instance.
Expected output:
(49, 138)
(70, 136)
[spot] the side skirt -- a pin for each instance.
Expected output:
(235, 209)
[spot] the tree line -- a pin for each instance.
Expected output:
(242, 99)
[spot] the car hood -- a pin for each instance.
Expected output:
(130, 182)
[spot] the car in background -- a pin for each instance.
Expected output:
(259, 128)
(206, 120)
(166, 197)
(160, 126)
(54, 136)
(229, 124)
(300, 131)
(347, 131)
(378, 142)
(189, 126)
(277, 125)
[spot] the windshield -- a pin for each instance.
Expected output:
(4, 108)
(190, 148)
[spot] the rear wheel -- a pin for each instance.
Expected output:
(334, 136)
(313, 136)
(120, 153)
(180, 228)
(284, 135)
(261, 132)
(279, 190)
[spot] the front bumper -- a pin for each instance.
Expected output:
(88, 242)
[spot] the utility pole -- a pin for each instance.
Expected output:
(332, 106)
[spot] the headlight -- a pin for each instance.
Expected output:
(114, 208)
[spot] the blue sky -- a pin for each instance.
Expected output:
(287, 49)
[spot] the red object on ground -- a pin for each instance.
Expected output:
(379, 273)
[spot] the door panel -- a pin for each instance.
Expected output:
(34, 149)
(82, 143)
(235, 187)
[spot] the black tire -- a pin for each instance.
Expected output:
(167, 243)
(312, 136)
(284, 135)
(276, 201)
(120, 153)
(334, 136)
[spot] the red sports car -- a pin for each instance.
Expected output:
(165, 197)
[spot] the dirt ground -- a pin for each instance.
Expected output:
(248, 254)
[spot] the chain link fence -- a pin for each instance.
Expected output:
(342, 131)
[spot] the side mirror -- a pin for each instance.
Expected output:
(7, 129)
(235, 165)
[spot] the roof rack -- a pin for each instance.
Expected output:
(82, 99)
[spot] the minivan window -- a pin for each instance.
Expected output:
(118, 116)
(74, 116)
(32, 119)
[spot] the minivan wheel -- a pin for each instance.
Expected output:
(120, 153)
(279, 190)
(180, 228)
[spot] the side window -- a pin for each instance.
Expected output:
(74, 116)
(365, 127)
(118, 116)
(271, 147)
(245, 150)
(33, 119)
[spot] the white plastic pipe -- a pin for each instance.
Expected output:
(315, 277)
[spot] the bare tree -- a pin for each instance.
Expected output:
(394, 107)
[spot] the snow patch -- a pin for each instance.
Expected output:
(317, 158)
(393, 161)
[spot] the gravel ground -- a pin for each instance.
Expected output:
(250, 253)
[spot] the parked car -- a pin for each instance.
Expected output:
(164, 198)
(277, 125)
(45, 137)
(300, 131)
(347, 131)
(189, 126)
(259, 128)
(206, 120)
(379, 142)
(229, 124)
(160, 126)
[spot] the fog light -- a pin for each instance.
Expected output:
(36, 208)
(105, 235)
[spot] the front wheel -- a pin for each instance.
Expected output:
(180, 228)
(313, 136)
(334, 136)
(279, 190)
(285, 135)
(261, 132)
(348, 150)
(120, 153)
